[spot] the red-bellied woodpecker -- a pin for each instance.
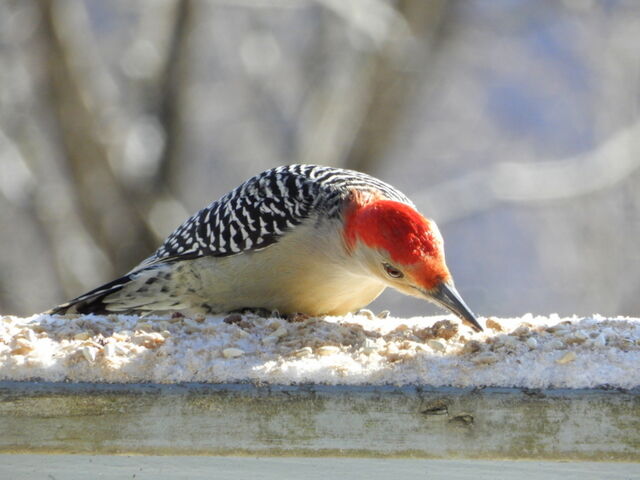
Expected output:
(296, 239)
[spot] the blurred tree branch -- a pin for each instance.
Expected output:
(91, 117)
(536, 183)
(18, 186)
(83, 97)
(354, 124)
(397, 70)
(171, 84)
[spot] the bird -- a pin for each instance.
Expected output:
(296, 239)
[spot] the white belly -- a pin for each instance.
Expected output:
(290, 276)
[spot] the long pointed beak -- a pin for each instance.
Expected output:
(448, 297)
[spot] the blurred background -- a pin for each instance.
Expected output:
(513, 123)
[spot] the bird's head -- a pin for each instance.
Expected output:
(406, 251)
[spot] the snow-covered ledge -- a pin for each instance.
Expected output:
(531, 387)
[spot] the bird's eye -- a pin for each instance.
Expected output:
(392, 271)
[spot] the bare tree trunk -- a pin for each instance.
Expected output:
(351, 120)
(106, 208)
(397, 70)
(171, 84)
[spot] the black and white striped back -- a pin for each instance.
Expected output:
(264, 207)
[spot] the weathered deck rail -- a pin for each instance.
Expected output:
(316, 420)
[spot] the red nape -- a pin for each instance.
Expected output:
(395, 227)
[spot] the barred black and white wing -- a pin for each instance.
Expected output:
(258, 212)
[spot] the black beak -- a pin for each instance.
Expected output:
(448, 297)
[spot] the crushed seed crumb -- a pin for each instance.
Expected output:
(493, 324)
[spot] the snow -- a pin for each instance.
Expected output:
(530, 351)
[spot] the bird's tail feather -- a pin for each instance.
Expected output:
(141, 291)
(92, 301)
